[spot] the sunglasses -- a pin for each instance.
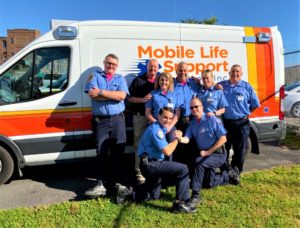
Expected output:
(196, 106)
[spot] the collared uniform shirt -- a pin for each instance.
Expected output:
(241, 99)
(159, 100)
(185, 93)
(109, 107)
(212, 99)
(153, 141)
(206, 132)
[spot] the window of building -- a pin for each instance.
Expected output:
(11, 40)
(4, 44)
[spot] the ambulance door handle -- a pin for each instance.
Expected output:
(67, 103)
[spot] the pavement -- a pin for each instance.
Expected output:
(45, 185)
(293, 124)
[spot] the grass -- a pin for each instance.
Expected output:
(264, 199)
(292, 140)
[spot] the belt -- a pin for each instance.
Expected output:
(138, 113)
(243, 118)
(108, 117)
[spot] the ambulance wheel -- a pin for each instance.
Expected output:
(248, 147)
(6, 166)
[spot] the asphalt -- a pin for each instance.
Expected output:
(45, 185)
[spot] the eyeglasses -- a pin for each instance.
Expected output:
(110, 63)
(196, 106)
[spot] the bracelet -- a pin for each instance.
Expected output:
(100, 93)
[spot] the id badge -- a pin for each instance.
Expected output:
(210, 99)
(170, 105)
(240, 97)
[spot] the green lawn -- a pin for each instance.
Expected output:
(264, 199)
(292, 141)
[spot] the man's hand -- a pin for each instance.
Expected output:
(204, 153)
(218, 86)
(177, 134)
(210, 114)
(93, 92)
(147, 98)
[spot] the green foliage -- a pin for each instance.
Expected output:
(208, 21)
(292, 141)
(264, 199)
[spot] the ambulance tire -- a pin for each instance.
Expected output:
(248, 147)
(6, 165)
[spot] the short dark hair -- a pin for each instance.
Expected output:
(168, 109)
(110, 55)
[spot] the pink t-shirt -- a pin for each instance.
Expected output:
(109, 76)
(152, 80)
(164, 92)
(183, 83)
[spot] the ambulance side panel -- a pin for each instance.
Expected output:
(262, 64)
(45, 127)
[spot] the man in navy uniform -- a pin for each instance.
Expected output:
(242, 101)
(108, 91)
(153, 148)
(210, 135)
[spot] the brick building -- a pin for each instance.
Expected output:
(16, 39)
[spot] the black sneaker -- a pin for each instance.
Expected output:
(183, 207)
(195, 200)
(234, 176)
(123, 193)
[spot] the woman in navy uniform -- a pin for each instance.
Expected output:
(213, 100)
(163, 96)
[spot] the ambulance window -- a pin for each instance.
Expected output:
(41, 73)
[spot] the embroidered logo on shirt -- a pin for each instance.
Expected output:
(160, 134)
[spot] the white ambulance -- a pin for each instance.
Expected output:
(45, 116)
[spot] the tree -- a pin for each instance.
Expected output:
(208, 21)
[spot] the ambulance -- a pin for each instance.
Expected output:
(45, 116)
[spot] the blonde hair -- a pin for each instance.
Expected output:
(169, 77)
(207, 72)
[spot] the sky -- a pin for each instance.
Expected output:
(36, 14)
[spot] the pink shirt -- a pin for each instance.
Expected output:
(109, 76)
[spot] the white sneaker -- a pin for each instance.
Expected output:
(97, 191)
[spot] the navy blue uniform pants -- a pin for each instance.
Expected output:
(237, 137)
(205, 174)
(177, 172)
(111, 138)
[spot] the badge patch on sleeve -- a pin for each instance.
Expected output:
(90, 77)
(160, 134)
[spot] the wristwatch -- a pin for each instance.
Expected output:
(100, 93)
(215, 113)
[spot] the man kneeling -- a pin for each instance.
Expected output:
(210, 137)
(152, 149)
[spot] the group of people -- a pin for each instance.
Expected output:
(179, 135)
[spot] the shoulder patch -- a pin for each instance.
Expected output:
(160, 134)
(90, 77)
